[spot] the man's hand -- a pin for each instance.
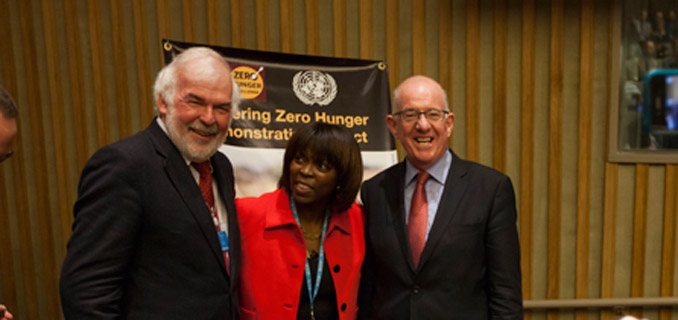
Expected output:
(4, 314)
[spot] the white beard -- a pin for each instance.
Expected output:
(191, 149)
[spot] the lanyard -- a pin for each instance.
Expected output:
(312, 293)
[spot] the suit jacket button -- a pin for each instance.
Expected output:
(343, 307)
(337, 268)
(415, 290)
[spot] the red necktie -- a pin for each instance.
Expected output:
(416, 227)
(205, 173)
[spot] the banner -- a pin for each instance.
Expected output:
(282, 92)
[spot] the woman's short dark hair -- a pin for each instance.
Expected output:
(334, 144)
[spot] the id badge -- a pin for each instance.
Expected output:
(223, 240)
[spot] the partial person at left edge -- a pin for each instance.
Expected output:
(8, 127)
(8, 131)
(155, 234)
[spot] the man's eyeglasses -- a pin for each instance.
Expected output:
(6, 156)
(432, 115)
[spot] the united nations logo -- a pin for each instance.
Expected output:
(313, 86)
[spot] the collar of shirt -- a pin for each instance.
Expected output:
(438, 171)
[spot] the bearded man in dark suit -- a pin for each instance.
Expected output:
(147, 243)
(441, 231)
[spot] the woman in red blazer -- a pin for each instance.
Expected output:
(303, 244)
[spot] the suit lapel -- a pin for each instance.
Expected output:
(184, 183)
(394, 184)
(453, 192)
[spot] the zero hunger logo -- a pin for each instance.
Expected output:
(250, 81)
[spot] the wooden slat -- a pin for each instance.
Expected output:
(366, 30)
(236, 24)
(162, 13)
(445, 47)
(262, 24)
(96, 53)
(527, 147)
(25, 229)
(340, 41)
(9, 278)
(639, 233)
(50, 283)
(34, 105)
(609, 235)
(669, 237)
(499, 86)
(584, 152)
(142, 65)
(188, 19)
(472, 81)
(76, 78)
(163, 23)
(58, 121)
(392, 42)
(287, 26)
(120, 62)
(611, 183)
(555, 152)
(418, 37)
(213, 14)
(312, 34)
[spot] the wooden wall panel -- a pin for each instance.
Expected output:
(584, 152)
(141, 45)
(262, 25)
(525, 221)
(312, 33)
(96, 54)
(555, 150)
(366, 30)
(286, 26)
(45, 260)
(472, 81)
(499, 86)
(418, 37)
(529, 82)
(237, 22)
(63, 185)
(668, 257)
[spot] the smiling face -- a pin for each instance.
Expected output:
(197, 118)
(312, 181)
(424, 141)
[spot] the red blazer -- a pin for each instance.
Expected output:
(274, 255)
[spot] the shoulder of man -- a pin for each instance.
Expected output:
(386, 172)
(478, 172)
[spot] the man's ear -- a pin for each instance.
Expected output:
(450, 123)
(391, 124)
(162, 106)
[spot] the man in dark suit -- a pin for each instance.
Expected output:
(441, 231)
(8, 132)
(148, 242)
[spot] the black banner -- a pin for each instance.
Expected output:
(283, 91)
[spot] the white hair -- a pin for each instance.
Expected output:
(204, 62)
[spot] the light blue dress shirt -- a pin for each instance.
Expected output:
(434, 187)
